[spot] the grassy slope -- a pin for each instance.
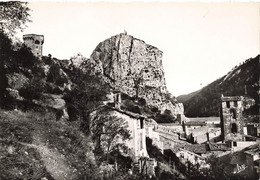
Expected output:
(33, 146)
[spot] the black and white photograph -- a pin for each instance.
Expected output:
(129, 90)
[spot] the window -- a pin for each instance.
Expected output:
(235, 143)
(233, 128)
(182, 155)
(228, 104)
(235, 103)
(37, 42)
(233, 113)
(142, 123)
(196, 158)
(141, 141)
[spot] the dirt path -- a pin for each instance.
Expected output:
(55, 162)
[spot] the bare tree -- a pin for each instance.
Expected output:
(109, 132)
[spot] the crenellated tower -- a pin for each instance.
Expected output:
(231, 118)
(34, 42)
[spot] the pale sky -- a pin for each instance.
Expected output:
(200, 41)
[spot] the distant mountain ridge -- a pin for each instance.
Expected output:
(185, 97)
(205, 102)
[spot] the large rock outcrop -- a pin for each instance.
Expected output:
(135, 68)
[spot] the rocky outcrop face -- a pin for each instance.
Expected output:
(135, 68)
(86, 65)
(17, 81)
(14, 94)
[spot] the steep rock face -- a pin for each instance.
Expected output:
(135, 68)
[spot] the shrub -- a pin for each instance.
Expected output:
(153, 150)
(164, 118)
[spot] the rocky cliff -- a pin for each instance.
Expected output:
(135, 68)
(122, 63)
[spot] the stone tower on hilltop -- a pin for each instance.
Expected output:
(34, 42)
(231, 118)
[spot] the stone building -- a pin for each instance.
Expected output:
(136, 126)
(191, 125)
(155, 136)
(232, 121)
(34, 42)
(204, 134)
(245, 162)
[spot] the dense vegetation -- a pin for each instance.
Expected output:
(206, 102)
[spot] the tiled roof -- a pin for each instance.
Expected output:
(218, 147)
(128, 113)
(199, 131)
(169, 124)
(253, 150)
(231, 98)
(205, 119)
(238, 158)
(200, 148)
(215, 130)
(251, 119)
(195, 123)
(195, 148)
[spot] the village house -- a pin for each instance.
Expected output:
(155, 136)
(198, 135)
(185, 156)
(214, 121)
(244, 162)
(252, 126)
(253, 161)
(204, 134)
(194, 154)
(219, 149)
(214, 135)
(170, 127)
(136, 126)
(191, 125)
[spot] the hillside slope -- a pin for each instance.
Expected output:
(184, 98)
(205, 102)
(34, 146)
(46, 130)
